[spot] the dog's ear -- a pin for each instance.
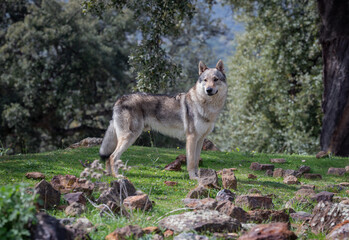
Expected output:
(220, 66)
(202, 67)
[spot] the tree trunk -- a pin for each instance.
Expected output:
(334, 37)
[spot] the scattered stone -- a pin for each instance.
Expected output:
(322, 154)
(174, 166)
(277, 231)
(35, 175)
(277, 160)
(228, 208)
(230, 169)
(307, 186)
(260, 216)
(254, 191)
(168, 233)
(202, 204)
(255, 166)
(69, 183)
(83, 224)
(208, 178)
(202, 220)
(251, 176)
(75, 197)
(75, 209)
(344, 184)
(61, 207)
(304, 169)
(225, 195)
(300, 216)
(326, 215)
(87, 142)
(340, 231)
(150, 230)
(336, 171)
(198, 192)
(190, 236)
(125, 187)
(291, 180)
(254, 202)
(347, 169)
(323, 196)
(228, 179)
(312, 176)
(289, 172)
(48, 197)
(265, 167)
(269, 173)
(304, 202)
(115, 207)
(304, 193)
(48, 227)
(209, 146)
(138, 202)
(278, 172)
(182, 158)
(157, 237)
(67, 221)
(226, 235)
(338, 199)
(100, 186)
(171, 183)
(128, 232)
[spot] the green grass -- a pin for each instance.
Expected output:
(147, 174)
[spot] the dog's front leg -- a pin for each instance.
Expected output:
(198, 151)
(191, 155)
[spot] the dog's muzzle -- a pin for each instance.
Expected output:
(210, 91)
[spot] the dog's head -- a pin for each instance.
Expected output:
(212, 80)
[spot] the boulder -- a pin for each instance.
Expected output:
(336, 171)
(123, 186)
(150, 230)
(265, 167)
(69, 183)
(272, 231)
(109, 195)
(35, 175)
(254, 191)
(344, 184)
(115, 207)
(312, 176)
(201, 204)
(48, 197)
(262, 215)
(200, 221)
(138, 202)
(174, 166)
(289, 172)
(75, 209)
(128, 232)
(171, 183)
(322, 154)
(228, 208)
(277, 160)
(261, 167)
(304, 169)
(307, 186)
(83, 224)
(291, 180)
(229, 180)
(326, 215)
(323, 196)
(208, 178)
(269, 173)
(305, 193)
(340, 232)
(87, 142)
(254, 202)
(251, 176)
(278, 172)
(198, 192)
(300, 216)
(225, 195)
(75, 197)
(209, 146)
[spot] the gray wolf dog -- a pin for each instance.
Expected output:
(190, 116)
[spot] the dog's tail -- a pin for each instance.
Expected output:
(109, 142)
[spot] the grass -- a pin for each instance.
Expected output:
(147, 174)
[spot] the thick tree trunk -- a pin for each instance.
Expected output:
(335, 52)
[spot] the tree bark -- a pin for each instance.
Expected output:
(334, 37)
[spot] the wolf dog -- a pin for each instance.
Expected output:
(190, 116)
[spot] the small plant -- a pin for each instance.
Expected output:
(17, 210)
(3, 150)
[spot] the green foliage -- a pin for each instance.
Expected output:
(16, 211)
(275, 86)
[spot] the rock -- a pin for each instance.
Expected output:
(208, 178)
(312, 176)
(251, 176)
(48, 197)
(202, 204)
(290, 180)
(125, 187)
(336, 171)
(340, 232)
(277, 160)
(202, 220)
(174, 166)
(48, 227)
(228, 208)
(115, 207)
(198, 192)
(209, 146)
(322, 154)
(35, 175)
(138, 202)
(182, 158)
(190, 236)
(278, 172)
(67, 221)
(168, 233)
(128, 232)
(254, 202)
(87, 142)
(75, 197)
(254, 191)
(75, 209)
(347, 169)
(110, 194)
(230, 169)
(225, 195)
(304, 169)
(303, 202)
(289, 172)
(344, 184)
(261, 216)
(307, 186)
(269, 173)
(101, 186)
(261, 167)
(171, 183)
(323, 196)
(229, 180)
(150, 230)
(83, 224)
(301, 216)
(304, 193)
(326, 215)
(225, 235)
(265, 167)
(70, 183)
(272, 231)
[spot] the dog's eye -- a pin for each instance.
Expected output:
(205, 80)
(215, 79)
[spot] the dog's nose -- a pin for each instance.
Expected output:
(209, 90)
